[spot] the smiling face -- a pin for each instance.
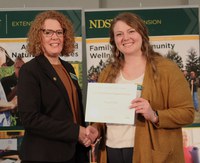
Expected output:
(52, 45)
(127, 39)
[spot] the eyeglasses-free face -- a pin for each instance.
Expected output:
(49, 32)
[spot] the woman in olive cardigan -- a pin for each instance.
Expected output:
(165, 104)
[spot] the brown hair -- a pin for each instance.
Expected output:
(34, 35)
(138, 24)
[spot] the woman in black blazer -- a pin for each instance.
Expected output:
(49, 97)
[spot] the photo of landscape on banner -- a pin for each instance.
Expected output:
(171, 35)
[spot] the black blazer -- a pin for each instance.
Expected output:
(45, 111)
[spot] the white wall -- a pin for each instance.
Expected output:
(91, 4)
(50, 3)
(141, 3)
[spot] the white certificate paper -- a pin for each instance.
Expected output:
(109, 103)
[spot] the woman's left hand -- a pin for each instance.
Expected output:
(143, 107)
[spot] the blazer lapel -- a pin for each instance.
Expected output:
(48, 69)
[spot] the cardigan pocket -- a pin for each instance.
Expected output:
(161, 156)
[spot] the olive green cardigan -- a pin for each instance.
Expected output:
(169, 94)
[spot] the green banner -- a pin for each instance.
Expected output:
(169, 21)
(15, 24)
(173, 32)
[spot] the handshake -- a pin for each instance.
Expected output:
(88, 135)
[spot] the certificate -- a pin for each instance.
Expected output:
(109, 103)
